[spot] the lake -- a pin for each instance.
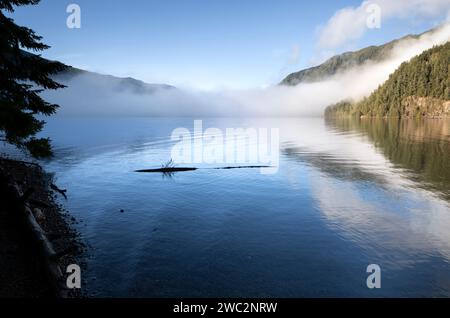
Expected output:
(346, 194)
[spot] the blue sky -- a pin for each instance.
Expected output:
(201, 44)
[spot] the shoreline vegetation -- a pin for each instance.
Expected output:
(418, 88)
(37, 241)
(37, 238)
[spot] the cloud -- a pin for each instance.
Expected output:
(311, 99)
(351, 23)
(88, 96)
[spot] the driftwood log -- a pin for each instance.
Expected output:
(45, 247)
(181, 169)
(60, 191)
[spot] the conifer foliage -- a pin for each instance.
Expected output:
(426, 75)
(23, 76)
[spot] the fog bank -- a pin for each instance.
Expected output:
(88, 95)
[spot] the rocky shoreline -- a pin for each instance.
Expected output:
(24, 267)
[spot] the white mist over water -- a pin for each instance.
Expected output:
(86, 96)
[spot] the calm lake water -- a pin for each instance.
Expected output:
(347, 194)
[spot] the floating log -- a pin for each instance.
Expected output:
(169, 170)
(241, 167)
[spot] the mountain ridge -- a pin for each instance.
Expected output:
(342, 62)
(135, 85)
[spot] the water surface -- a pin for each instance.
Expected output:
(347, 194)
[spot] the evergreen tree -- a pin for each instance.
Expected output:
(426, 75)
(23, 76)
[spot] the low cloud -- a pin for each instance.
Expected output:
(90, 96)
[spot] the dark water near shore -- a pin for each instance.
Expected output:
(347, 194)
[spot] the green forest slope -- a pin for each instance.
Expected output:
(420, 87)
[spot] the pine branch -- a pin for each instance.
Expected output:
(8, 5)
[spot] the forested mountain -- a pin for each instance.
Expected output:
(420, 87)
(343, 62)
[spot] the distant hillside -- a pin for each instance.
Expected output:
(420, 87)
(343, 62)
(93, 94)
(120, 83)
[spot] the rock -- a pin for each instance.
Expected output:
(414, 106)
